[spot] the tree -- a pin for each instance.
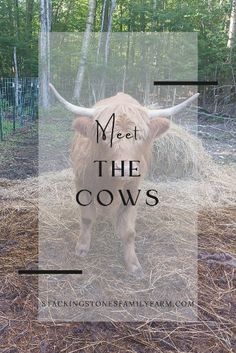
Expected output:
(45, 9)
(113, 5)
(232, 26)
(104, 7)
(84, 50)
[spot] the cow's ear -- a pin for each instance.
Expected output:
(83, 125)
(158, 126)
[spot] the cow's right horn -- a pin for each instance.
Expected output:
(166, 112)
(71, 107)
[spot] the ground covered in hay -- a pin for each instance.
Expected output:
(19, 154)
(214, 332)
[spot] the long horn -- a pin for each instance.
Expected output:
(172, 110)
(71, 107)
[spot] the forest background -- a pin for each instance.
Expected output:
(213, 20)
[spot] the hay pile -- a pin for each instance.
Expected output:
(179, 154)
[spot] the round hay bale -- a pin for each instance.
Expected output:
(179, 154)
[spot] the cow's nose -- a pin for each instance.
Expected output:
(120, 168)
(123, 167)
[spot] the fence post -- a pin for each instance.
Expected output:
(16, 86)
(18, 103)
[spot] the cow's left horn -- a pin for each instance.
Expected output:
(71, 107)
(172, 110)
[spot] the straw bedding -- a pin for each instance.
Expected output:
(210, 193)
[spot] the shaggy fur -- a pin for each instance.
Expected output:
(85, 150)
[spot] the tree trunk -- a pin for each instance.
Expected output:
(131, 26)
(113, 5)
(106, 15)
(45, 11)
(29, 17)
(84, 50)
(16, 16)
(104, 6)
(126, 63)
(121, 16)
(154, 16)
(11, 19)
(232, 26)
(230, 45)
(29, 10)
(142, 17)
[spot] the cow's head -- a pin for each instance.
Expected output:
(130, 116)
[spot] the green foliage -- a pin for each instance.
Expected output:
(19, 29)
(20, 26)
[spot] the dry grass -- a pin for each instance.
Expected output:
(212, 200)
(214, 332)
(178, 154)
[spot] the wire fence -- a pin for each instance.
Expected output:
(18, 104)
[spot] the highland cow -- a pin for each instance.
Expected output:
(110, 154)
